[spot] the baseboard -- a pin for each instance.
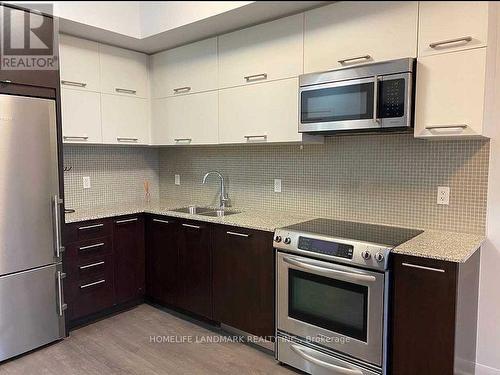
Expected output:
(485, 370)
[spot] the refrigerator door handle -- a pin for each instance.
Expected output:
(60, 293)
(57, 223)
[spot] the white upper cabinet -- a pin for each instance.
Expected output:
(187, 69)
(450, 94)
(125, 120)
(81, 116)
(446, 26)
(266, 52)
(123, 72)
(267, 112)
(185, 120)
(79, 63)
(348, 33)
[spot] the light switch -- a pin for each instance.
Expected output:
(277, 185)
(177, 179)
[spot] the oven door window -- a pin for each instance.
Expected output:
(331, 304)
(348, 102)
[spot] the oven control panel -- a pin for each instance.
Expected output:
(325, 247)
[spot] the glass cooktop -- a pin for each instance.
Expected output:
(377, 234)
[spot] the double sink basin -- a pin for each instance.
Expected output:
(205, 211)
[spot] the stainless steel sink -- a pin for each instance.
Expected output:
(193, 210)
(219, 213)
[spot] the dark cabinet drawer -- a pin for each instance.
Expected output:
(87, 230)
(88, 250)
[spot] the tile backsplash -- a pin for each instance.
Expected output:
(117, 174)
(383, 178)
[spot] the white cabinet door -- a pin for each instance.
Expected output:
(347, 33)
(79, 63)
(446, 26)
(267, 112)
(123, 72)
(185, 120)
(269, 51)
(125, 120)
(450, 94)
(187, 69)
(81, 116)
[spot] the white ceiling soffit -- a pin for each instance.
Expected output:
(243, 16)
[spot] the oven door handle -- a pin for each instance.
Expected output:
(330, 271)
(338, 369)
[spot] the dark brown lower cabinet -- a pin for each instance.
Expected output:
(129, 258)
(434, 315)
(162, 254)
(243, 279)
(194, 241)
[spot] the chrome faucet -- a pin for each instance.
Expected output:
(224, 199)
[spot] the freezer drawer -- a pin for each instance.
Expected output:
(31, 310)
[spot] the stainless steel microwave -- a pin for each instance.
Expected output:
(376, 96)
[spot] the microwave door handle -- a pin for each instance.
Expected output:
(338, 369)
(375, 100)
(330, 271)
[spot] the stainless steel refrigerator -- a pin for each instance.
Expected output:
(31, 285)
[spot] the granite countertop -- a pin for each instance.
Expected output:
(440, 245)
(248, 218)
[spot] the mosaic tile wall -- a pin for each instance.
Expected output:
(117, 174)
(390, 178)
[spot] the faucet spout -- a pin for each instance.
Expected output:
(223, 196)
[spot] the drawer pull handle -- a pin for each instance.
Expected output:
(465, 39)
(423, 267)
(91, 227)
(452, 126)
(161, 221)
(351, 59)
(255, 77)
(73, 83)
(89, 247)
(5, 81)
(91, 265)
(125, 91)
(127, 139)
(249, 137)
(182, 89)
(188, 140)
(238, 234)
(92, 284)
(191, 226)
(81, 137)
(126, 221)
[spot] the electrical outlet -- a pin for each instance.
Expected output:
(277, 185)
(86, 182)
(443, 195)
(177, 179)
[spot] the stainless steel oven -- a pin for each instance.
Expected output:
(370, 97)
(332, 282)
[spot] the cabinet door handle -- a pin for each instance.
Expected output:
(188, 140)
(91, 226)
(127, 139)
(465, 39)
(5, 81)
(126, 91)
(91, 265)
(92, 284)
(161, 221)
(73, 83)
(126, 221)
(182, 89)
(90, 247)
(238, 234)
(255, 77)
(82, 137)
(350, 59)
(451, 126)
(248, 137)
(191, 226)
(423, 267)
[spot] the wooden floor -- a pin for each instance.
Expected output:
(121, 345)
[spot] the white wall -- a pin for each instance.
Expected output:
(160, 16)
